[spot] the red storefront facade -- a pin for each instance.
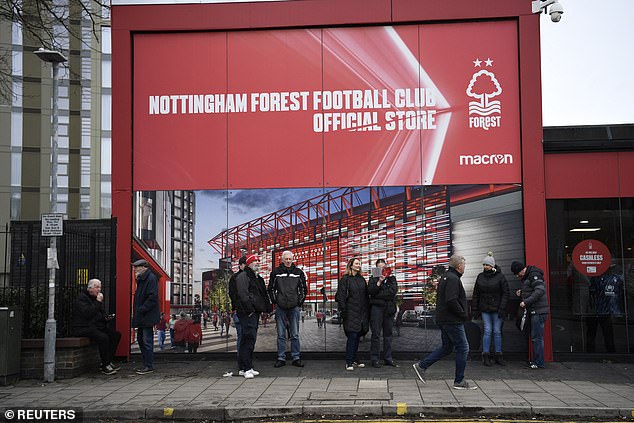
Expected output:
(157, 130)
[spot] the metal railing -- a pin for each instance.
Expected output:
(85, 251)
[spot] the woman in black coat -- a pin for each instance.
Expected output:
(490, 296)
(353, 303)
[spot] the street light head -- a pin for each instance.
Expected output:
(50, 56)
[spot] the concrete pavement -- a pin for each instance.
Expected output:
(192, 387)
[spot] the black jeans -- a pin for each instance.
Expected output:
(381, 323)
(107, 340)
(247, 343)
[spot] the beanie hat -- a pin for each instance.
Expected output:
(251, 258)
(489, 259)
(516, 267)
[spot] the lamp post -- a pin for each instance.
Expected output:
(54, 58)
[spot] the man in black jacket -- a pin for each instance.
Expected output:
(535, 302)
(251, 300)
(287, 290)
(90, 320)
(146, 312)
(451, 313)
(382, 290)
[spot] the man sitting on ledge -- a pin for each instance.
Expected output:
(90, 320)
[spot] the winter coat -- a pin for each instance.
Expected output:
(251, 295)
(88, 313)
(383, 295)
(233, 294)
(353, 302)
(287, 286)
(181, 329)
(451, 300)
(491, 292)
(534, 291)
(146, 309)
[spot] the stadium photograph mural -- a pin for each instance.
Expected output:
(333, 143)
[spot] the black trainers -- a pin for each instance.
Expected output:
(420, 372)
(464, 385)
(298, 363)
(144, 371)
(114, 366)
(390, 363)
(108, 370)
(376, 364)
(279, 363)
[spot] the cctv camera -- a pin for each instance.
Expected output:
(556, 10)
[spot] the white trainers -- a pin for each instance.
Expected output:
(358, 364)
(249, 374)
(241, 372)
(255, 372)
(420, 372)
(349, 367)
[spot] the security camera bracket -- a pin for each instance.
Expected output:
(539, 5)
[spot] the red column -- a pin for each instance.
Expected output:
(533, 181)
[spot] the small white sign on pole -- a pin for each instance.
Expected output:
(52, 224)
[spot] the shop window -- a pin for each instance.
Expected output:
(591, 272)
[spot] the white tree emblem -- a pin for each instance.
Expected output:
(483, 87)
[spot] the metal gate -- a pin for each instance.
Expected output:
(85, 251)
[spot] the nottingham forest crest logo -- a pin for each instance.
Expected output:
(486, 111)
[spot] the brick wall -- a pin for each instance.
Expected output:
(73, 357)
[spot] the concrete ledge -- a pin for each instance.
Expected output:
(244, 413)
(114, 413)
(343, 410)
(184, 413)
(568, 412)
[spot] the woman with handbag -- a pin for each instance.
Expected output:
(352, 300)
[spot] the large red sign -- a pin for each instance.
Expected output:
(591, 257)
(404, 105)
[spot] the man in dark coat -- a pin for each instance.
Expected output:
(535, 302)
(233, 296)
(146, 313)
(251, 300)
(451, 313)
(90, 320)
(287, 290)
(382, 290)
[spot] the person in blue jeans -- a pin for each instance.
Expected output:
(451, 313)
(145, 313)
(353, 302)
(535, 301)
(490, 297)
(287, 290)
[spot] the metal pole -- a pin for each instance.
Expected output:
(50, 334)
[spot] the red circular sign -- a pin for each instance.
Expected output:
(591, 257)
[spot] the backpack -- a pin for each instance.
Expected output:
(194, 334)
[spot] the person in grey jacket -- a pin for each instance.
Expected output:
(451, 313)
(146, 312)
(535, 302)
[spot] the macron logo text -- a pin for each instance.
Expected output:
(486, 159)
